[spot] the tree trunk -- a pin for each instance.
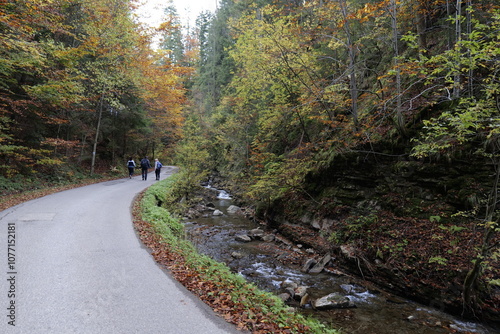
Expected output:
(458, 38)
(353, 86)
(400, 120)
(92, 165)
(470, 282)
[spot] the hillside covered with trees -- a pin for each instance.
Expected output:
(365, 129)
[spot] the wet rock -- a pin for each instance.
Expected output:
(284, 296)
(237, 255)
(217, 213)
(290, 291)
(318, 267)
(250, 273)
(256, 234)
(333, 301)
(308, 265)
(411, 318)
(348, 288)
(233, 209)
(300, 292)
(316, 224)
(243, 238)
(289, 284)
(192, 213)
(305, 300)
(268, 238)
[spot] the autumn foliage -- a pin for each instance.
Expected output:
(80, 85)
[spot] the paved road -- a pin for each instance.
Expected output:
(77, 266)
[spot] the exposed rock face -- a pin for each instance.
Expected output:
(373, 213)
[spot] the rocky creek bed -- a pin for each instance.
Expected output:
(306, 280)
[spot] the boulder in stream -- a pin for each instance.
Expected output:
(308, 265)
(300, 292)
(268, 238)
(233, 209)
(237, 255)
(284, 296)
(256, 234)
(243, 238)
(333, 301)
(217, 213)
(318, 267)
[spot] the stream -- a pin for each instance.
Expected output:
(376, 312)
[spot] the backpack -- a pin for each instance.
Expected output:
(131, 163)
(144, 163)
(159, 165)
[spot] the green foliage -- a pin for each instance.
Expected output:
(172, 231)
(453, 228)
(192, 157)
(436, 219)
(439, 260)
(354, 227)
(66, 68)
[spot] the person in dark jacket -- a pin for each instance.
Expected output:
(145, 165)
(158, 167)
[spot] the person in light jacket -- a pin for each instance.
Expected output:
(131, 166)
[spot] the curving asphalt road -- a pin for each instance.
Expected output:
(72, 263)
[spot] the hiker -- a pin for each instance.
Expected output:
(131, 166)
(145, 165)
(158, 167)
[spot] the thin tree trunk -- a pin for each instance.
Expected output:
(400, 121)
(470, 81)
(353, 86)
(458, 38)
(101, 103)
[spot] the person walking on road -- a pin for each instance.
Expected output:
(131, 166)
(145, 165)
(158, 167)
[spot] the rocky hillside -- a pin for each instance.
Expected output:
(412, 227)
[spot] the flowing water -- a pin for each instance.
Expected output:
(376, 312)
